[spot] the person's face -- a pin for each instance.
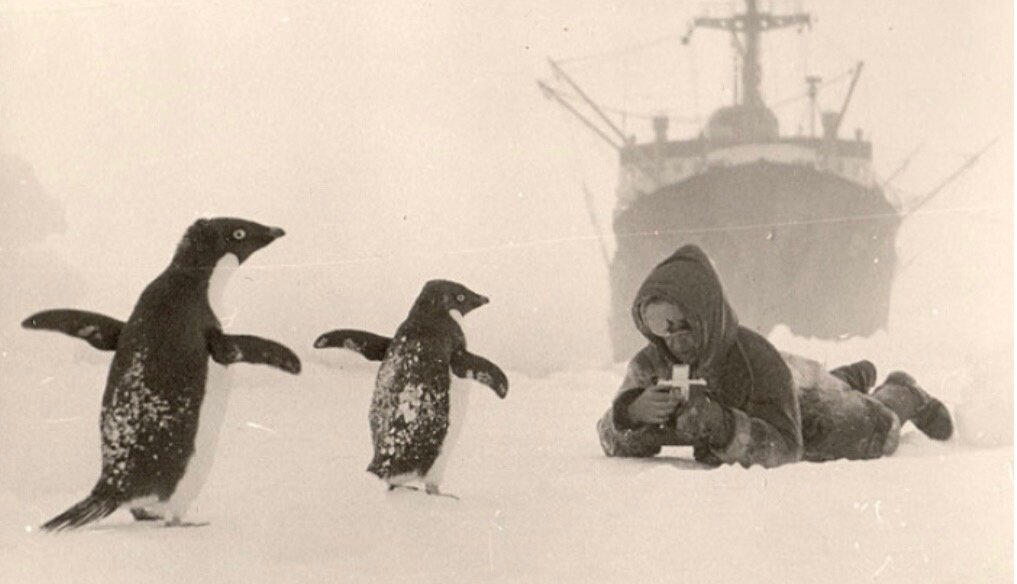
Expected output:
(666, 321)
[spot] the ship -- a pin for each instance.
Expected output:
(798, 226)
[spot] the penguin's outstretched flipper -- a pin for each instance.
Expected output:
(469, 366)
(228, 349)
(370, 345)
(92, 508)
(98, 330)
(142, 514)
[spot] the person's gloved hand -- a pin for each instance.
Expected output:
(654, 405)
(703, 419)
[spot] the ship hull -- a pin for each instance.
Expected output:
(793, 246)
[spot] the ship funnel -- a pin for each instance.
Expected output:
(660, 124)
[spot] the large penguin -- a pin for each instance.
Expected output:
(161, 413)
(415, 415)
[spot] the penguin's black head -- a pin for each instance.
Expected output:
(208, 240)
(446, 295)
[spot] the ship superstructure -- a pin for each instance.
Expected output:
(801, 231)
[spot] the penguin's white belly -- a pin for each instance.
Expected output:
(210, 422)
(212, 413)
(459, 399)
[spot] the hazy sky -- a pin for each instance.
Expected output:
(399, 141)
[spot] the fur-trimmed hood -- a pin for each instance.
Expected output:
(688, 279)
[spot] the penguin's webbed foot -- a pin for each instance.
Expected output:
(407, 487)
(429, 489)
(142, 514)
(177, 522)
(433, 490)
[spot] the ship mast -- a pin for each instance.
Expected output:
(750, 24)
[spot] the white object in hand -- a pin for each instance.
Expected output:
(680, 381)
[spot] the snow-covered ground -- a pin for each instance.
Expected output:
(289, 500)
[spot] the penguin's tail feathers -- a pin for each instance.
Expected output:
(376, 469)
(92, 508)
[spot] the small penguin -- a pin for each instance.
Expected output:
(415, 415)
(161, 412)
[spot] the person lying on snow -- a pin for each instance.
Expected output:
(755, 405)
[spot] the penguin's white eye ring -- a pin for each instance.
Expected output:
(239, 234)
(461, 297)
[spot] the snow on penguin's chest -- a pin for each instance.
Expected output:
(213, 405)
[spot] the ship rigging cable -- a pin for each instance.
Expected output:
(638, 115)
(558, 240)
(683, 38)
(804, 94)
(968, 164)
(621, 51)
(671, 113)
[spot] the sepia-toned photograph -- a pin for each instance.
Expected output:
(299, 291)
